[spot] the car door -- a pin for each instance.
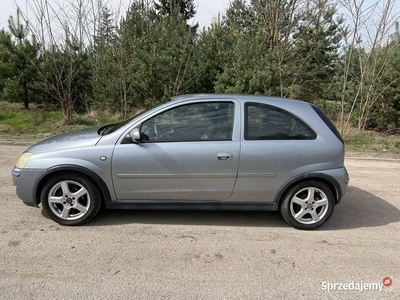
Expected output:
(188, 152)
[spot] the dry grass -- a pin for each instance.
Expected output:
(372, 141)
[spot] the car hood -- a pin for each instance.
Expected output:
(81, 138)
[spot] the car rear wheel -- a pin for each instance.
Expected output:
(70, 199)
(308, 205)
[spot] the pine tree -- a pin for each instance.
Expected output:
(106, 93)
(19, 62)
(317, 40)
(186, 8)
(172, 8)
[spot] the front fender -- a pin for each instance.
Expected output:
(106, 189)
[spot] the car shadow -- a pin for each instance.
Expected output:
(358, 209)
(183, 217)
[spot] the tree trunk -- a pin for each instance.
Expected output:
(26, 96)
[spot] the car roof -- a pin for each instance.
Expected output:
(240, 97)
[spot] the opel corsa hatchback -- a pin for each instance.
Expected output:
(211, 152)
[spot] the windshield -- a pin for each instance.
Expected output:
(107, 129)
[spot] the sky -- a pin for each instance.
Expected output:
(206, 9)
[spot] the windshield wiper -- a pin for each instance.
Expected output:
(107, 129)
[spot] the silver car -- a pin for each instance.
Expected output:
(208, 152)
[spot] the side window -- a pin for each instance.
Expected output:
(267, 122)
(191, 122)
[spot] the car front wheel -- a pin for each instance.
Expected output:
(308, 205)
(70, 199)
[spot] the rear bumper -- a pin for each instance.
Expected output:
(346, 182)
(341, 181)
(25, 181)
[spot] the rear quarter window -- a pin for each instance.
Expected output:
(267, 122)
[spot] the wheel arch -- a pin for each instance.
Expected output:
(331, 182)
(42, 179)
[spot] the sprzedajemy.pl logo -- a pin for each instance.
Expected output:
(360, 286)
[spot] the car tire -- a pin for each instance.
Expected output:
(307, 204)
(70, 199)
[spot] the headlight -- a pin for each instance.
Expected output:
(23, 160)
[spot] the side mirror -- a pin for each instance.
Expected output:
(135, 135)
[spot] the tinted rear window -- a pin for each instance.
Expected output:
(327, 121)
(267, 122)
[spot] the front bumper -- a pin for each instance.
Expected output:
(25, 181)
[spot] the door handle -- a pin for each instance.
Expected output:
(225, 156)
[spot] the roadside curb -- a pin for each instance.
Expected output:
(373, 158)
(16, 143)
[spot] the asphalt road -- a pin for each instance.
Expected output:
(205, 255)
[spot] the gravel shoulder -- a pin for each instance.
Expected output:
(204, 255)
